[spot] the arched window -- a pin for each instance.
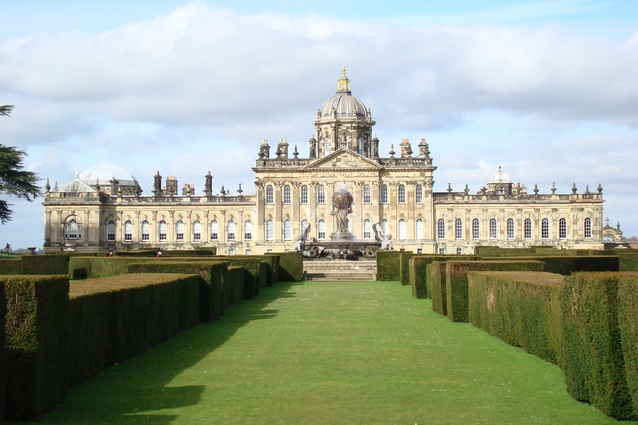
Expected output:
(418, 194)
(72, 230)
(401, 194)
(420, 229)
(527, 228)
(440, 229)
(248, 230)
(493, 229)
(230, 233)
(384, 226)
(321, 194)
(367, 199)
(367, 229)
(179, 231)
(545, 228)
(402, 230)
(214, 230)
(588, 227)
(562, 228)
(458, 229)
(287, 230)
(287, 198)
(304, 194)
(303, 225)
(476, 229)
(510, 228)
(321, 229)
(128, 231)
(162, 230)
(197, 231)
(383, 194)
(361, 146)
(270, 230)
(326, 146)
(146, 231)
(270, 199)
(110, 231)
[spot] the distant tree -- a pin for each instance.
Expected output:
(13, 179)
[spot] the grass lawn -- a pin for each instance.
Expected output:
(329, 353)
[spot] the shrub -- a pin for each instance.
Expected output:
(628, 323)
(3, 362)
(456, 281)
(290, 266)
(521, 308)
(419, 275)
(36, 322)
(436, 286)
(628, 261)
(404, 264)
(236, 275)
(10, 266)
(44, 264)
(592, 359)
(388, 265)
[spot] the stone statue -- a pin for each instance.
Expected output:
(341, 207)
(300, 246)
(386, 240)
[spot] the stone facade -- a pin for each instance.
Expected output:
(102, 208)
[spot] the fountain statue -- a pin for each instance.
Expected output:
(342, 206)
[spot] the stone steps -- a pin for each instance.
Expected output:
(340, 270)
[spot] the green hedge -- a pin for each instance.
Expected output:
(456, 281)
(593, 360)
(404, 264)
(291, 266)
(388, 265)
(628, 324)
(236, 276)
(275, 264)
(436, 286)
(10, 266)
(628, 261)
(419, 275)
(211, 282)
(97, 267)
(36, 343)
(3, 362)
(521, 308)
(568, 264)
(114, 318)
(44, 264)
(252, 266)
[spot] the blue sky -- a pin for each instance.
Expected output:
(545, 89)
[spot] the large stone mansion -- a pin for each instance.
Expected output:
(103, 209)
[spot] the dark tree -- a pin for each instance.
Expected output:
(13, 179)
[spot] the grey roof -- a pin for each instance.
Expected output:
(103, 174)
(76, 186)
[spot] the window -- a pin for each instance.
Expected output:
(249, 251)
(326, 146)
(162, 231)
(441, 251)
(402, 230)
(287, 230)
(476, 229)
(128, 231)
(248, 230)
(420, 229)
(401, 194)
(588, 227)
(367, 199)
(230, 235)
(418, 194)
(304, 194)
(493, 229)
(287, 195)
(458, 229)
(270, 230)
(459, 251)
(361, 145)
(72, 230)
(269, 195)
(440, 229)
(367, 229)
(214, 230)
(562, 228)
(545, 228)
(304, 225)
(179, 231)
(321, 229)
(146, 231)
(510, 228)
(110, 231)
(197, 231)
(527, 228)
(383, 194)
(384, 226)
(321, 194)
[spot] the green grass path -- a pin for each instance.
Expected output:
(329, 353)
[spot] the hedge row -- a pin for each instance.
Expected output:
(418, 275)
(456, 285)
(600, 320)
(3, 361)
(435, 272)
(567, 265)
(35, 265)
(114, 318)
(37, 310)
(521, 308)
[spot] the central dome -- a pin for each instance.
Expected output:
(103, 174)
(343, 103)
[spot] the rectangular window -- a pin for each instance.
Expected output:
(383, 194)
(401, 194)
(304, 194)
(367, 199)
(418, 195)
(321, 195)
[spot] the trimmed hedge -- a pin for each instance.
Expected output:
(114, 318)
(275, 264)
(568, 264)
(593, 360)
(36, 344)
(3, 362)
(628, 261)
(388, 265)
(236, 276)
(290, 266)
(456, 281)
(211, 281)
(44, 264)
(419, 274)
(252, 266)
(10, 266)
(404, 264)
(436, 286)
(628, 324)
(521, 308)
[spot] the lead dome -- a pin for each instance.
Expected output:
(343, 103)
(103, 174)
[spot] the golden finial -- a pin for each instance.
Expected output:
(343, 84)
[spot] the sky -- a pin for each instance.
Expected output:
(545, 89)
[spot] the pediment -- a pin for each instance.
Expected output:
(343, 159)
